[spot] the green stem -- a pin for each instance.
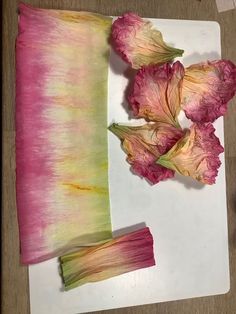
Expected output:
(120, 131)
(165, 163)
(178, 52)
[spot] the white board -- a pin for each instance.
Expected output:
(188, 221)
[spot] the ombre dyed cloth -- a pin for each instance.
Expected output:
(123, 254)
(61, 131)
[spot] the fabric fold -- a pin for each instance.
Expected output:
(118, 256)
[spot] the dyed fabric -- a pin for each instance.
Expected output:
(144, 145)
(118, 256)
(207, 89)
(139, 43)
(196, 154)
(61, 131)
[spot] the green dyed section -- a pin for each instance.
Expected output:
(80, 109)
(77, 93)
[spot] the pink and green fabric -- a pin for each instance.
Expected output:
(61, 131)
(118, 256)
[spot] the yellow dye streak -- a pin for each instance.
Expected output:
(93, 189)
(83, 17)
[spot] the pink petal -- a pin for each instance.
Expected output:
(139, 44)
(156, 94)
(144, 145)
(153, 173)
(196, 154)
(207, 88)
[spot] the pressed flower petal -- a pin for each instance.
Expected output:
(61, 120)
(118, 256)
(156, 93)
(152, 172)
(139, 43)
(144, 144)
(196, 154)
(207, 88)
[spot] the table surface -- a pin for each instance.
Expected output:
(15, 291)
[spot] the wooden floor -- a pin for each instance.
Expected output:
(15, 289)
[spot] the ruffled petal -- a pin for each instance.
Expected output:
(153, 173)
(196, 154)
(207, 88)
(144, 145)
(156, 94)
(139, 44)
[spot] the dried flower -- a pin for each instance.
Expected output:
(207, 88)
(144, 145)
(139, 44)
(196, 154)
(156, 94)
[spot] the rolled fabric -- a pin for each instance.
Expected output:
(118, 256)
(61, 131)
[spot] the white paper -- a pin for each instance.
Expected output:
(188, 220)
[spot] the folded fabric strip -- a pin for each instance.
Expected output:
(61, 131)
(118, 256)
